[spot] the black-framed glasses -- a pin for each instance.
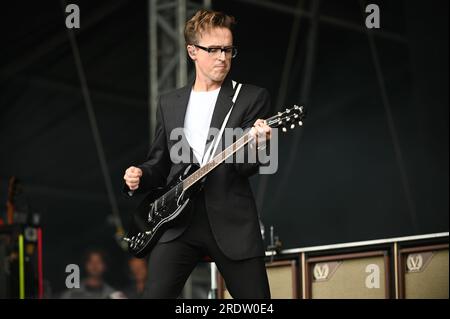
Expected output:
(215, 51)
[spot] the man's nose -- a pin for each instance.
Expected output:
(222, 56)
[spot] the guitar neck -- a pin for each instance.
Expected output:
(216, 161)
(288, 117)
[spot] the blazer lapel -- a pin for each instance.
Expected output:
(181, 105)
(178, 113)
(223, 104)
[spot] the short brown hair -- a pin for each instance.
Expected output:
(205, 20)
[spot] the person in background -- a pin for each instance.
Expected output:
(94, 285)
(138, 273)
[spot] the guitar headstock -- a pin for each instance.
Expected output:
(288, 119)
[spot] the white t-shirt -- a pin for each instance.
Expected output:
(199, 113)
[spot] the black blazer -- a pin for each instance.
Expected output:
(229, 200)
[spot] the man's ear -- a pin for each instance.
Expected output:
(192, 52)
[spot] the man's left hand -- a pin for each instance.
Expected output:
(261, 132)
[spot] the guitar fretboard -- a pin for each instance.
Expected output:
(216, 161)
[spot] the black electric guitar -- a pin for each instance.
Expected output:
(162, 207)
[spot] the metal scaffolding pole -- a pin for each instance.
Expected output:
(153, 71)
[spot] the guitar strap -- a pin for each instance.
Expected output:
(209, 154)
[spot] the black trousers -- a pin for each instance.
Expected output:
(171, 263)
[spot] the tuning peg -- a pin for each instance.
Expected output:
(284, 129)
(300, 123)
(292, 126)
(287, 110)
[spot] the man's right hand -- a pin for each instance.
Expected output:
(132, 177)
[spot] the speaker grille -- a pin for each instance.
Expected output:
(353, 276)
(425, 274)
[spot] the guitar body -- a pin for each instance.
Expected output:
(157, 212)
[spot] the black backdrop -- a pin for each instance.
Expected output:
(345, 183)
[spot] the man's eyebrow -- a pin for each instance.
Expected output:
(219, 46)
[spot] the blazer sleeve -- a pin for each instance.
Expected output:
(259, 109)
(157, 165)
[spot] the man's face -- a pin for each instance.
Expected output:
(212, 67)
(138, 268)
(95, 267)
